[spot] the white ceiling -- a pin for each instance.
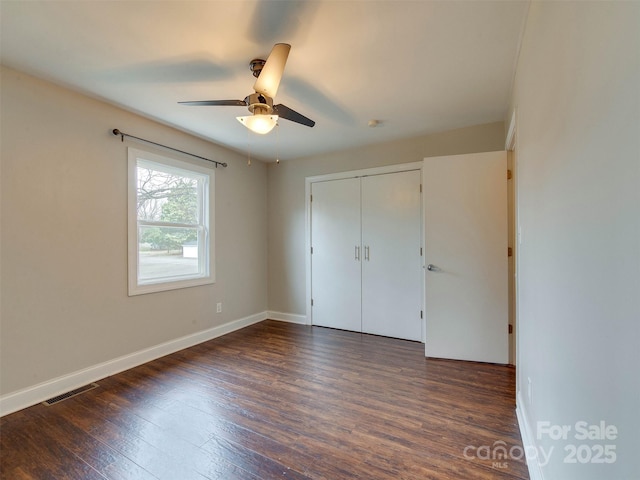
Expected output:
(417, 66)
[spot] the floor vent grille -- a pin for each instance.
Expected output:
(70, 394)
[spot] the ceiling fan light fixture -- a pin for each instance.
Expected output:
(259, 123)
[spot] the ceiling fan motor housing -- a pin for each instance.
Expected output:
(259, 103)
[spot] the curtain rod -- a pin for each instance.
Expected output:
(122, 135)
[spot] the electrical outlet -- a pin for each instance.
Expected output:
(219, 307)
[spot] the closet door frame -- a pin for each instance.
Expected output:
(403, 167)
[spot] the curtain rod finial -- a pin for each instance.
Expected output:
(115, 131)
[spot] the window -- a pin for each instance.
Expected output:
(170, 238)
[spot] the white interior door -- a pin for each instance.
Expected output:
(335, 262)
(466, 291)
(391, 261)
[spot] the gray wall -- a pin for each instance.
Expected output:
(286, 192)
(577, 97)
(64, 237)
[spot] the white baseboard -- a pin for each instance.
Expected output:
(528, 440)
(29, 396)
(288, 317)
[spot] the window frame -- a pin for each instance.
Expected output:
(206, 211)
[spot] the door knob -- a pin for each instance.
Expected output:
(432, 268)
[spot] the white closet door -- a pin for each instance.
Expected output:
(335, 262)
(392, 265)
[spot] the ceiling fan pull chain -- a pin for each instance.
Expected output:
(277, 143)
(248, 148)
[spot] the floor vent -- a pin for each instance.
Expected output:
(70, 394)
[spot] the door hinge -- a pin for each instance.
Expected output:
(509, 175)
(510, 328)
(311, 198)
(509, 251)
(420, 188)
(312, 302)
(420, 251)
(311, 250)
(421, 314)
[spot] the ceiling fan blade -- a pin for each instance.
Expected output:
(271, 73)
(285, 112)
(229, 103)
(176, 69)
(273, 20)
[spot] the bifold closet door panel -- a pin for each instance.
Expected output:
(335, 261)
(391, 261)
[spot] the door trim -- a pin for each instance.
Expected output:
(511, 146)
(308, 181)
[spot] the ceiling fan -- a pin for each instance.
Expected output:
(264, 113)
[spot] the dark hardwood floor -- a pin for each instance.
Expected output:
(277, 400)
